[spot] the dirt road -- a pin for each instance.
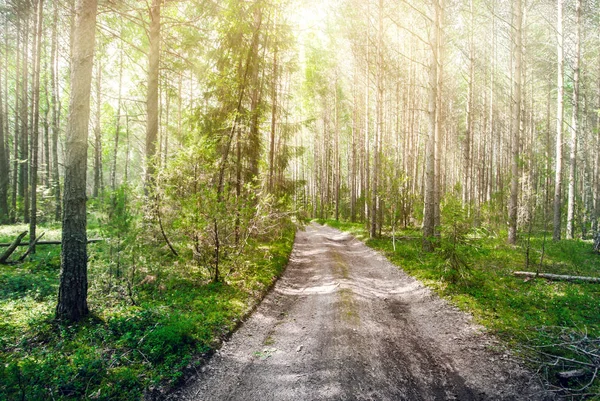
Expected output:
(344, 324)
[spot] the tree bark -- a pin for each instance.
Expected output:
(11, 248)
(516, 122)
(559, 123)
(36, 126)
(379, 123)
(72, 293)
(273, 121)
(24, 117)
(470, 114)
(16, 138)
(429, 209)
(55, 113)
(574, 127)
(152, 96)
(4, 165)
(113, 170)
(558, 277)
(98, 136)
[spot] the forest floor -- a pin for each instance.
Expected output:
(343, 323)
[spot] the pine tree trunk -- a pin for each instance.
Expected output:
(17, 128)
(152, 96)
(437, 192)
(516, 123)
(379, 124)
(470, 114)
(429, 185)
(72, 293)
(55, 113)
(36, 124)
(574, 128)
(559, 124)
(5, 179)
(24, 116)
(113, 170)
(4, 163)
(273, 122)
(98, 135)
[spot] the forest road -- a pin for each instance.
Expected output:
(343, 323)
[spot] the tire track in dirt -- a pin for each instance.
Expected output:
(343, 323)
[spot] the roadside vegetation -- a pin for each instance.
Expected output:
(553, 325)
(154, 316)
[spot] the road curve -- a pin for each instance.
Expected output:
(343, 323)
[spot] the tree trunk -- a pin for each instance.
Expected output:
(16, 139)
(152, 96)
(437, 192)
(98, 135)
(72, 293)
(55, 113)
(470, 114)
(574, 128)
(559, 123)
(24, 115)
(379, 124)
(273, 121)
(4, 165)
(429, 201)
(516, 122)
(113, 170)
(36, 125)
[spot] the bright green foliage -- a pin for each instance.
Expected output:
(454, 245)
(123, 350)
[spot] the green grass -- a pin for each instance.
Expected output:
(525, 313)
(124, 349)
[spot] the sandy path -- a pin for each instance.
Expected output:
(344, 324)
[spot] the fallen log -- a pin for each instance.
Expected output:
(54, 242)
(558, 277)
(11, 247)
(31, 248)
(572, 374)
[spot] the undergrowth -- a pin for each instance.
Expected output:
(530, 315)
(151, 320)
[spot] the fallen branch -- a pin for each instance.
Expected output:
(53, 242)
(572, 374)
(12, 247)
(31, 247)
(558, 277)
(570, 360)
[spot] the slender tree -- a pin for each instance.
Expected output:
(4, 165)
(559, 122)
(97, 188)
(574, 129)
(516, 121)
(36, 125)
(152, 94)
(55, 112)
(432, 117)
